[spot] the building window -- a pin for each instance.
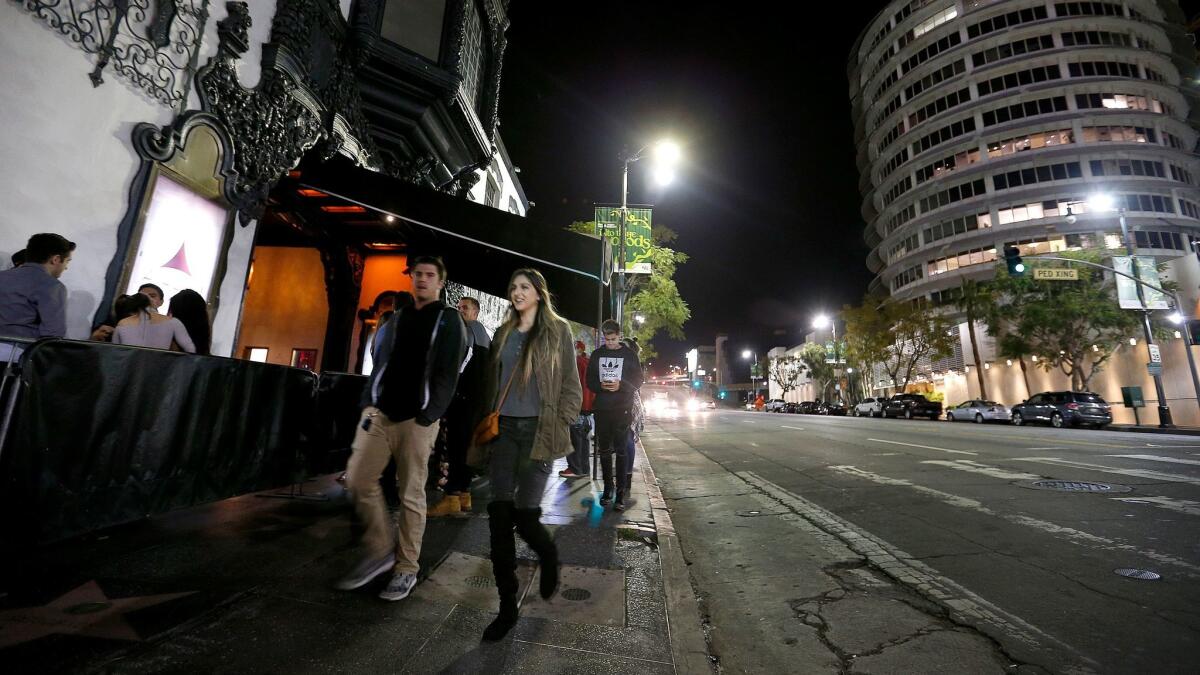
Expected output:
(1152, 239)
(929, 24)
(1182, 175)
(976, 256)
(883, 59)
(898, 159)
(1127, 167)
(891, 136)
(472, 60)
(1036, 174)
(1118, 135)
(947, 164)
(1007, 51)
(887, 83)
(1173, 140)
(1154, 75)
(890, 108)
(883, 31)
(1018, 111)
(1148, 203)
(940, 75)
(1087, 9)
(906, 277)
(1043, 245)
(512, 205)
(1002, 21)
(954, 130)
(903, 247)
(909, 9)
(953, 194)
(1103, 69)
(897, 221)
(1018, 79)
(898, 189)
(1118, 102)
(957, 226)
(1019, 213)
(1042, 139)
(491, 195)
(930, 51)
(938, 106)
(1096, 38)
(1190, 209)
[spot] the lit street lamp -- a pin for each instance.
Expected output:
(821, 321)
(747, 354)
(1101, 202)
(666, 156)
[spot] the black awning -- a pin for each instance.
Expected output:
(481, 245)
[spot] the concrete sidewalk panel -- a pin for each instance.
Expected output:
(467, 580)
(585, 595)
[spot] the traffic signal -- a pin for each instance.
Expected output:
(1012, 257)
(695, 384)
(723, 395)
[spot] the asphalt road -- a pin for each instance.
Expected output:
(957, 497)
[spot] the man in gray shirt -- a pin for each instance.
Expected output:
(33, 302)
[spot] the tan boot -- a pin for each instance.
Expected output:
(449, 506)
(464, 500)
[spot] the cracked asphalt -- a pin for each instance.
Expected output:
(844, 545)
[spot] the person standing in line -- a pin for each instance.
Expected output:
(33, 302)
(190, 309)
(143, 327)
(155, 294)
(418, 356)
(614, 374)
(533, 384)
(463, 413)
(577, 461)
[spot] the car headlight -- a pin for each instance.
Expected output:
(693, 404)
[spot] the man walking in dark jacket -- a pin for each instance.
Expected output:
(614, 374)
(418, 357)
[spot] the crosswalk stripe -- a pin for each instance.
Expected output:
(1156, 458)
(1136, 473)
(1180, 505)
(984, 469)
(1061, 532)
(927, 447)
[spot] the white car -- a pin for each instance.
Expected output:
(869, 407)
(774, 405)
(979, 412)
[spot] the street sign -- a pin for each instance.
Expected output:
(1132, 397)
(1055, 274)
(1155, 354)
(1155, 369)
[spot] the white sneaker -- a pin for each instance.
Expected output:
(399, 587)
(365, 571)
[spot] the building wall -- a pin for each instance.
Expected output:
(66, 160)
(285, 304)
(951, 172)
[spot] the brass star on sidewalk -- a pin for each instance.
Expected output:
(83, 611)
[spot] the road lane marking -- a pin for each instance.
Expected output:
(1050, 448)
(964, 605)
(984, 469)
(796, 428)
(1180, 505)
(1061, 532)
(1156, 458)
(1153, 445)
(1136, 473)
(927, 447)
(1093, 444)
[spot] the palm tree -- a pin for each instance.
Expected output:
(975, 299)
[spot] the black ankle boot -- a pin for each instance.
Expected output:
(530, 527)
(504, 566)
(606, 470)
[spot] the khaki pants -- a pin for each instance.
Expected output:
(410, 443)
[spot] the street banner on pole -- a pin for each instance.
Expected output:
(1127, 292)
(637, 234)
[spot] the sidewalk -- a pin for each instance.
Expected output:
(1153, 429)
(244, 585)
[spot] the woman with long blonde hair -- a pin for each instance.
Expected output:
(534, 384)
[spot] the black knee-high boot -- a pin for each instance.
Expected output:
(529, 526)
(504, 568)
(606, 470)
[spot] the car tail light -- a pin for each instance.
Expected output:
(1072, 406)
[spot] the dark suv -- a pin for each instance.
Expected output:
(912, 405)
(1064, 408)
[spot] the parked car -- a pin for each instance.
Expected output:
(909, 406)
(1064, 408)
(978, 411)
(791, 407)
(835, 409)
(808, 407)
(869, 407)
(774, 405)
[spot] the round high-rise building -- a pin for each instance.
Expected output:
(983, 124)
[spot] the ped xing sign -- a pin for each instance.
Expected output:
(637, 234)
(1055, 274)
(1127, 289)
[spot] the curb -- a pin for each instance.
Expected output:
(1178, 431)
(689, 648)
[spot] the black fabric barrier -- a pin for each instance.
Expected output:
(339, 396)
(105, 434)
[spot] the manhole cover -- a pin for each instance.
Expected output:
(1077, 486)
(576, 594)
(1146, 575)
(479, 582)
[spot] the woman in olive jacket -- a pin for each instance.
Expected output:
(534, 384)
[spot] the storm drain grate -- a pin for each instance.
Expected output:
(1145, 575)
(576, 594)
(1078, 486)
(478, 582)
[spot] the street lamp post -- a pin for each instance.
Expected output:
(819, 322)
(667, 154)
(746, 354)
(1104, 202)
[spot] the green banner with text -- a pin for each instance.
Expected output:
(637, 234)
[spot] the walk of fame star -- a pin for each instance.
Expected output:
(83, 611)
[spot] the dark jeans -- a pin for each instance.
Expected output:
(515, 477)
(578, 460)
(458, 438)
(612, 435)
(630, 451)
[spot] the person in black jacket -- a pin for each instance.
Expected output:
(614, 374)
(418, 356)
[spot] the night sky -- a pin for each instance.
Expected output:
(767, 203)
